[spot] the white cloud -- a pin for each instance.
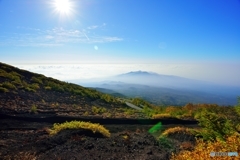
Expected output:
(54, 37)
(93, 27)
(208, 72)
(96, 26)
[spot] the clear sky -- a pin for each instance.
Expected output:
(197, 39)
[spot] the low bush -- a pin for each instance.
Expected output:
(4, 90)
(34, 109)
(36, 80)
(47, 88)
(34, 86)
(181, 135)
(214, 125)
(97, 110)
(203, 149)
(8, 85)
(183, 130)
(94, 127)
(29, 89)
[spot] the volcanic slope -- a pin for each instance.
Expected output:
(27, 93)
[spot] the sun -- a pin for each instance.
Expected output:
(63, 7)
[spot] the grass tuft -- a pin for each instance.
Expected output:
(94, 127)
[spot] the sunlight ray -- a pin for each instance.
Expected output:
(63, 7)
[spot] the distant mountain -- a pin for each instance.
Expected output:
(174, 82)
(168, 89)
(138, 73)
(154, 79)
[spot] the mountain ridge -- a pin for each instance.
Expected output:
(168, 89)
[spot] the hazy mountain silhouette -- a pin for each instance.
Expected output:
(174, 82)
(154, 79)
(168, 89)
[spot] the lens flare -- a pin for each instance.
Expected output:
(63, 7)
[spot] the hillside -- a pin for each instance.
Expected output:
(108, 91)
(24, 92)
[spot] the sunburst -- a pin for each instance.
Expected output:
(63, 7)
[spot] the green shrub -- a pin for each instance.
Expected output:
(97, 110)
(3, 71)
(34, 86)
(8, 85)
(25, 84)
(147, 111)
(214, 125)
(36, 80)
(17, 83)
(178, 113)
(86, 113)
(29, 89)
(94, 127)
(4, 90)
(102, 110)
(15, 76)
(94, 110)
(139, 101)
(4, 74)
(78, 92)
(34, 109)
(47, 88)
(106, 97)
(55, 85)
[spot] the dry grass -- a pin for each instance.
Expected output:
(177, 130)
(94, 127)
(163, 115)
(203, 149)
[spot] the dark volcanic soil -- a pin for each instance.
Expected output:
(30, 140)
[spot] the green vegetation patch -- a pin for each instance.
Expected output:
(203, 149)
(98, 110)
(215, 126)
(34, 109)
(30, 89)
(36, 80)
(34, 86)
(4, 90)
(94, 127)
(8, 85)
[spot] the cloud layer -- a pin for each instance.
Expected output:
(34, 37)
(67, 72)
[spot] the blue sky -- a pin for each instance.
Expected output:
(197, 39)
